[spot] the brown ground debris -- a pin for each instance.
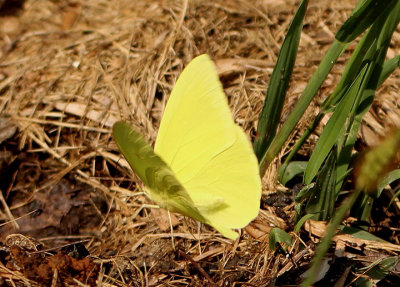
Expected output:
(70, 69)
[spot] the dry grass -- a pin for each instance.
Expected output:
(69, 70)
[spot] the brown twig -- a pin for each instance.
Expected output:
(198, 267)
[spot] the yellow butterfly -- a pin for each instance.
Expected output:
(203, 165)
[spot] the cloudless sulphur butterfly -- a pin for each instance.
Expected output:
(203, 165)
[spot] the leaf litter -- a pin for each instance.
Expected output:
(69, 70)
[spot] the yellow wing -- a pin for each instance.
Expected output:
(210, 155)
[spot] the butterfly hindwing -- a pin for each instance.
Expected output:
(159, 179)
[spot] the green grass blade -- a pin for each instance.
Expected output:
(354, 64)
(363, 208)
(377, 271)
(323, 198)
(304, 193)
(334, 127)
(347, 140)
(310, 91)
(325, 242)
(388, 179)
(390, 24)
(301, 222)
(388, 67)
(278, 84)
(360, 233)
(350, 72)
(313, 85)
(361, 18)
(373, 167)
(376, 165)
(382, 31)
(372, 170)
(303, 138)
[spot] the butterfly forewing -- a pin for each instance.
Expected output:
(209, 154)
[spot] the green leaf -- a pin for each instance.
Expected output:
(276, 236)
(278, 84)
(289, 171)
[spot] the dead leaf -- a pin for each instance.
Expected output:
(36, 266)
(227, 67)
(318, 228)
(81, 111)
(70, 16)
(10, 26)
(65, 209)
(23, 242)
(261, 226)
(7, 128)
